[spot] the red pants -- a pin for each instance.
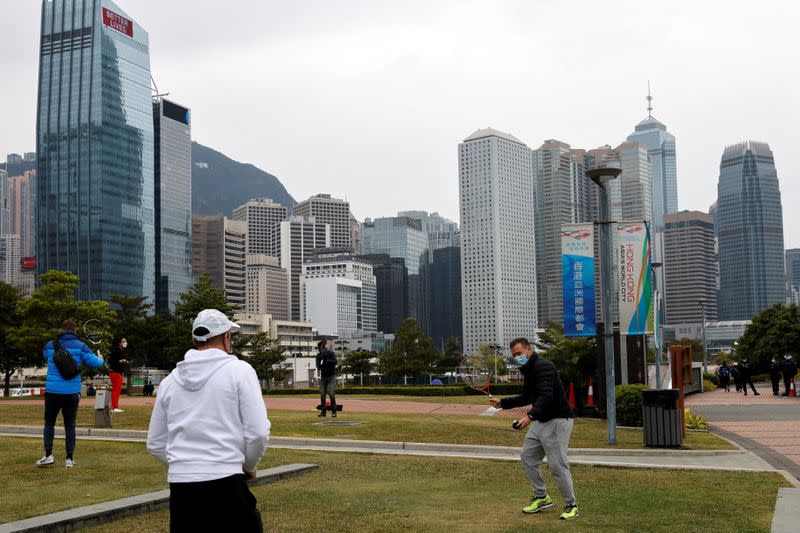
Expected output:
(116, 388)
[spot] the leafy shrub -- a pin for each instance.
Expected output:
(694, 421)
(758, 378)
(629, 404)
(708, 386)
(713, 378)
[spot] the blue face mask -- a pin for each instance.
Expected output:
(521, 359)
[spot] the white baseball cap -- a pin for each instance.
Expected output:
(214, 321)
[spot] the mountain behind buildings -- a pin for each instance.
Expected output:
(219, 184)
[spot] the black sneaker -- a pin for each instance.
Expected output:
(322, 413)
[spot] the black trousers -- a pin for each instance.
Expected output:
(67, 404)
(224, 505)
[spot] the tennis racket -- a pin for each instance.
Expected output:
(475, 373)
(93, 331)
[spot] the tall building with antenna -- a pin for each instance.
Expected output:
(661, 151)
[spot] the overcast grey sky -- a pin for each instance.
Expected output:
(369, 99)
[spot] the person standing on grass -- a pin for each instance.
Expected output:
(117, 361)
(326, 366)
(549, 435)
(63, 394)
(210, 426)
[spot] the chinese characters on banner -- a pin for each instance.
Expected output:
(577, 274)
(634, 275)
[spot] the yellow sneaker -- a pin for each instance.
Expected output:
(538, 504)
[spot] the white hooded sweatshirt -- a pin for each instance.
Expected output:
(209, 420)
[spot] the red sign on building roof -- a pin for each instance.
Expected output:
(118, 22)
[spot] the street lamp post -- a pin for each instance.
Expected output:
(702, 304)
(610, 170)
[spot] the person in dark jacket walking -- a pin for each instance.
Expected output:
(549, 436)
(746, 370)
(789, 369)
(736, 374)
(724, 373)
(64, 394)
(117, 361)
(775, 375)
(326, 366)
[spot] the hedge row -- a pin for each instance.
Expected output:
(410, 390)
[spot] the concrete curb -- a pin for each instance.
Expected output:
(787, 511)
(101, 513)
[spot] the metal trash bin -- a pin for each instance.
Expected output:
(661, 418)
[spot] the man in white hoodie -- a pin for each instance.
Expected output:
(210, 426)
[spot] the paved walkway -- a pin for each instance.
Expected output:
(766, 425)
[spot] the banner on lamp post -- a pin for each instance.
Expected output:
(635, 290)
(577, 278)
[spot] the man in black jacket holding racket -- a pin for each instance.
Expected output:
(549, 436)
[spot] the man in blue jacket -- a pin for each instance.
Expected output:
(61, 394)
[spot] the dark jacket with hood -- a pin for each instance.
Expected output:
(326, 363)
(542, 390)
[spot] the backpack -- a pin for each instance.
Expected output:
(64, 362)
(724, 371)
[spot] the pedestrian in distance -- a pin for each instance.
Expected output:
(724, 373)
(789, 369)
(775, 367)
(326, 366)
(736, 374)
(63, 388)
(549, 426)
(746, 370)
(210, 426)
(117, 361)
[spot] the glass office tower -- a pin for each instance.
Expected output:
(173, 202)
(750, 226)
(95, 149)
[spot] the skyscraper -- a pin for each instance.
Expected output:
(690, 267)
(793, 274)
(345, 267)
(498, 270)
(218, 249)
(5, 204)
(262, 215)
(750, 220)
(391, 278)
(95, 213)
(661, 150)
(445, 295)
(332, 211)
(173, 202)
(295, 240)
(23, 211)
(267, 287)
(402, 237)
(561, 197)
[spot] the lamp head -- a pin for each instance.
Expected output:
(609, 170)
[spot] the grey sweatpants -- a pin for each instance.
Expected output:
(549, 439)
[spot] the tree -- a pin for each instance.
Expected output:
(201, 295)
(40, 316)
(412, 352)
(267, 357)
(359, 362)
(773, 332)
(696, 344)
(451, 358)
(574, 357)
(11, 357)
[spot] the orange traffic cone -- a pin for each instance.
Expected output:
(572, 395)
(792, 392)
(590, 396)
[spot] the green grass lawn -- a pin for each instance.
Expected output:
(355, 492)
(452, 429)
